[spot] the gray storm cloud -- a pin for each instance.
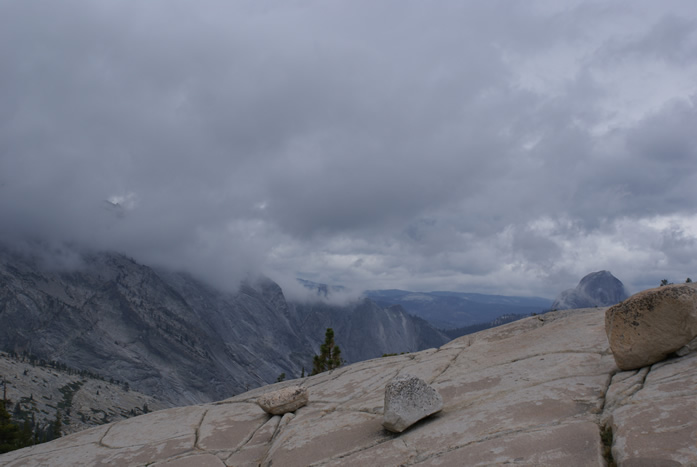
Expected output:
(480, 146)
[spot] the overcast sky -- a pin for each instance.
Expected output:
(486, 146)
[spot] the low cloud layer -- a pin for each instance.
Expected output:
(501, 147)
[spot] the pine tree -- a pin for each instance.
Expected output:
(56, 426)
(10, 434)
(329, 356)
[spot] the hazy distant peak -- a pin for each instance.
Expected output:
(599, 288)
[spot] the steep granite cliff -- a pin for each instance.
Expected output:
(174, 337)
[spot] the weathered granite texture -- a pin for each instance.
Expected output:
(283, 400)
(539, 391)
(408, 399)
(651, 324)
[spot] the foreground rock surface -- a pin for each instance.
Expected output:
(409, 399)
(538, 391)
(283, 400)
(651, 324)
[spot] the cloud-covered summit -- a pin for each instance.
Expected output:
(478, 146)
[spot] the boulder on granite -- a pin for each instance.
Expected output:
(408, 399)
(651, 324)
(288, 399)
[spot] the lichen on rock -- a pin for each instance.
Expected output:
(408, 399)
(652, 324)
(288, 399)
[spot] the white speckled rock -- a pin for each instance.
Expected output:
(284, 400)
(408, 399)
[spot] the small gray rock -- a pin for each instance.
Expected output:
(408, 399)
(288, 399)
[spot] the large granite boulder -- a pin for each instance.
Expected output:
(599, 288)
(651, 324)
(408, 399)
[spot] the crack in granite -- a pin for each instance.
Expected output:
(492, 396)
(493, 436)
(250, 437)
(101, 439)
(198, 428)
(276, 434)
(388, 438)
(447, 366)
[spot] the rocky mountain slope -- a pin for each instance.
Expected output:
(544, 390)
(174, 337)
(450, 310)
(40, 392)
(599, 288)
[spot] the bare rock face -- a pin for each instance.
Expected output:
(172, 336)
(288, 399)
(651, 324)
(544, 390)
(408, 399)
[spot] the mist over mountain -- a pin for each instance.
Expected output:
(599, 288)
(451, 310)
(171, 335)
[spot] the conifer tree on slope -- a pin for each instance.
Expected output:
(10, 434)
(329, 354)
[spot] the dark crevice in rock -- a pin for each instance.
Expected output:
(365, 411)
(253, 434)
(198, 429)
(605, 424)
(606, 438)
(251, 400)
(101, 440)
(452, 360)
(603, 397)
(643, 380)
(285, 420)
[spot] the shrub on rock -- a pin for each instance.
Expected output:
(651, 324)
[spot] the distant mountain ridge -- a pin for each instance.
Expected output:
(473, 328)
(599, 288)
(451, 310)
(170, 335)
